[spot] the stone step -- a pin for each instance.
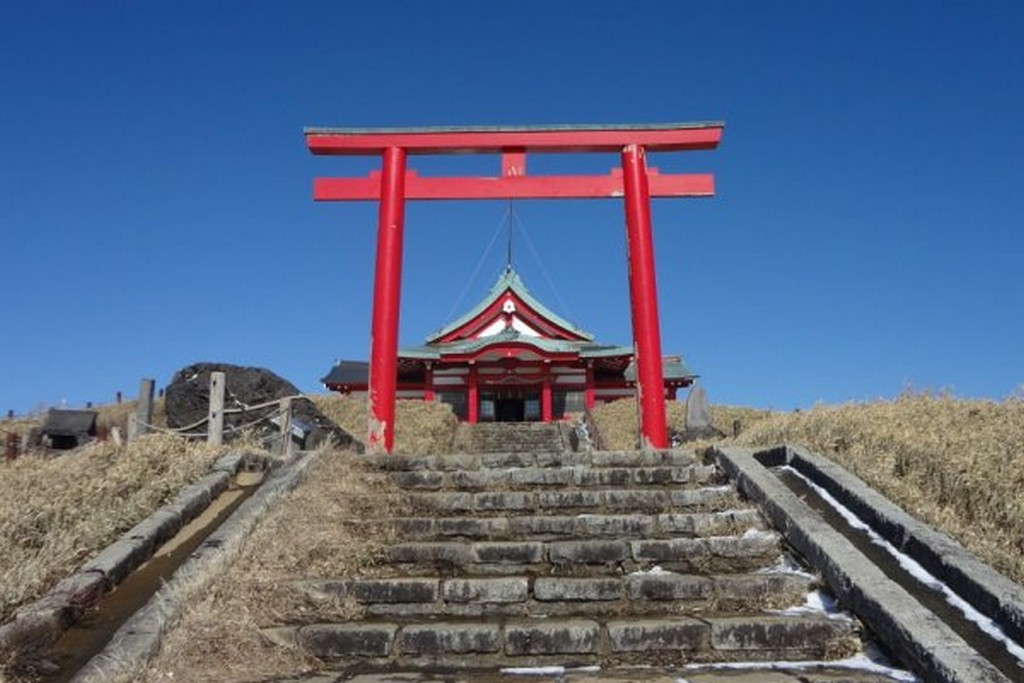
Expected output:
(635, 594)
(478, 461)
(550, 477)
(548, 527)
(498, 641)
(753, 550)
(749, 672)
(648, 500)
(514, 437)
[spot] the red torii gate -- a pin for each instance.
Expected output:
(635, 183)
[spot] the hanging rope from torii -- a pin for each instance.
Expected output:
(634, 183)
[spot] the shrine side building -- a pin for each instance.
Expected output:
(511, 359)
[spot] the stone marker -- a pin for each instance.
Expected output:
(698, 417)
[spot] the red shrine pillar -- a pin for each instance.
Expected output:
(643, 295)
(590, 395)
(387, 288)
(473, 396)
(428, 382)
(545, 395)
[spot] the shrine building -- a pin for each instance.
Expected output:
(511, 359)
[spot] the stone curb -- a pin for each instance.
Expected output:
(138, 639)
(458, 595)
(569, 476)
(926, 644)
(42, 622)
(755, 548)
(508, 640)
(988, 591)
(473, 462)
(580, 500)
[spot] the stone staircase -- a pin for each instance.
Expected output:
(535, 558)
(510, 437)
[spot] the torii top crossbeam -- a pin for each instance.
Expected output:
(655, 137)
(634, 183)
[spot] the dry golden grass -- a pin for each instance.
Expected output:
(956, 464)
(307, 535)
(420, 427)
(58, 510)
(107, 417)
(617, 421)
(725, 417)
(19, 425)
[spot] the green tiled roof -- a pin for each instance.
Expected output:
(672, 367)
(509, 280)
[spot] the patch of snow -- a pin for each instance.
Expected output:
(653, 570)
(786, 565)
(860, 662)
(921, 574)
(817, 602)
(547, 670)
(535, 671)
(764, 534)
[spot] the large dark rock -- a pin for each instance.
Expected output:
(187, 402)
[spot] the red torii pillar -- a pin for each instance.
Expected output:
(393, 185)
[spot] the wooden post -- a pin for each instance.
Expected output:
(286, 427)
(215, 421)
(12, 446)
(10, 414)
(133, 427)
(144, 406)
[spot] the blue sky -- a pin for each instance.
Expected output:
(155, 191)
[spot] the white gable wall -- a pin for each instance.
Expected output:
(498, 326)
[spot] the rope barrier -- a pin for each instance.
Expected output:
(237, 411)
(173, 432)
(186, 431)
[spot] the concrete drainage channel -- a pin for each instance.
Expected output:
(107, 611)
(138, 638)
(837, 523)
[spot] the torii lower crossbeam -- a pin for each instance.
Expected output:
(634, 183)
